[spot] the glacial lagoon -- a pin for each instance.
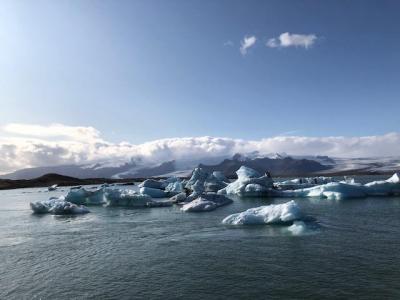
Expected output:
(349, 248)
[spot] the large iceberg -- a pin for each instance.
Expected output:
(344, 190)
(206, 202)
(270, 214)
(82, 196)
(57, 206)
(388, 187)
(333, 190)
(201, 181)
(250, 183)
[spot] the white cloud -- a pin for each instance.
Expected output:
(292, 40)
(36, 146)
(246, 43)
(55, 131)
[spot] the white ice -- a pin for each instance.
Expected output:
(153, 192)
(58, 206)
(127, 198)
(298, 228)
(206, 202)
(270, 214)
(345, 190)
(249, 184)
(85, 197)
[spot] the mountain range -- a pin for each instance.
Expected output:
(278, 164)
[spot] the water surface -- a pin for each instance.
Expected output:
(352, 250)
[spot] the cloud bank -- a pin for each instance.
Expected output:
(246, 43)
(56, 144)
(292, 40)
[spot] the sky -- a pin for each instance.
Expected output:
(140, 72)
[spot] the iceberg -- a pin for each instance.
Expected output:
(162, 188)
(126, 198)
(151, 183)
(206, 202)
(153, 192)
(388, 187)
(346, 189)
(269, 214)
(181, 197)
(198, 175)
(302, 182)
(174, 188)
(250, 183)
(58, 206)
(201, 181)
(333, 191)
(82, 196)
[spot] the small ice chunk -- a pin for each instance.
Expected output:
(199, 205)
(298, 228)
(206, 202)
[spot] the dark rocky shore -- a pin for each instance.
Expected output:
(60, 180)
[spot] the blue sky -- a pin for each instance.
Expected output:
(145, 70)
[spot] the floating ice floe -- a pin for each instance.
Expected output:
(388, 187)
(344, 190)
(298, 228)
(302, 182)
(206, 202)
(250, 183)
(270, 214)
(57, 206)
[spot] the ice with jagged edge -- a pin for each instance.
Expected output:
(58, 206)
(161, 188)
(345, 190)
(269, 214)
(297, 183)
(82, 196)
(250, 183)
(206, 202)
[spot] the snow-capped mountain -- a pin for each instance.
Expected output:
(279, 164)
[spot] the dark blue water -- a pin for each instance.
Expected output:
(351, 250)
